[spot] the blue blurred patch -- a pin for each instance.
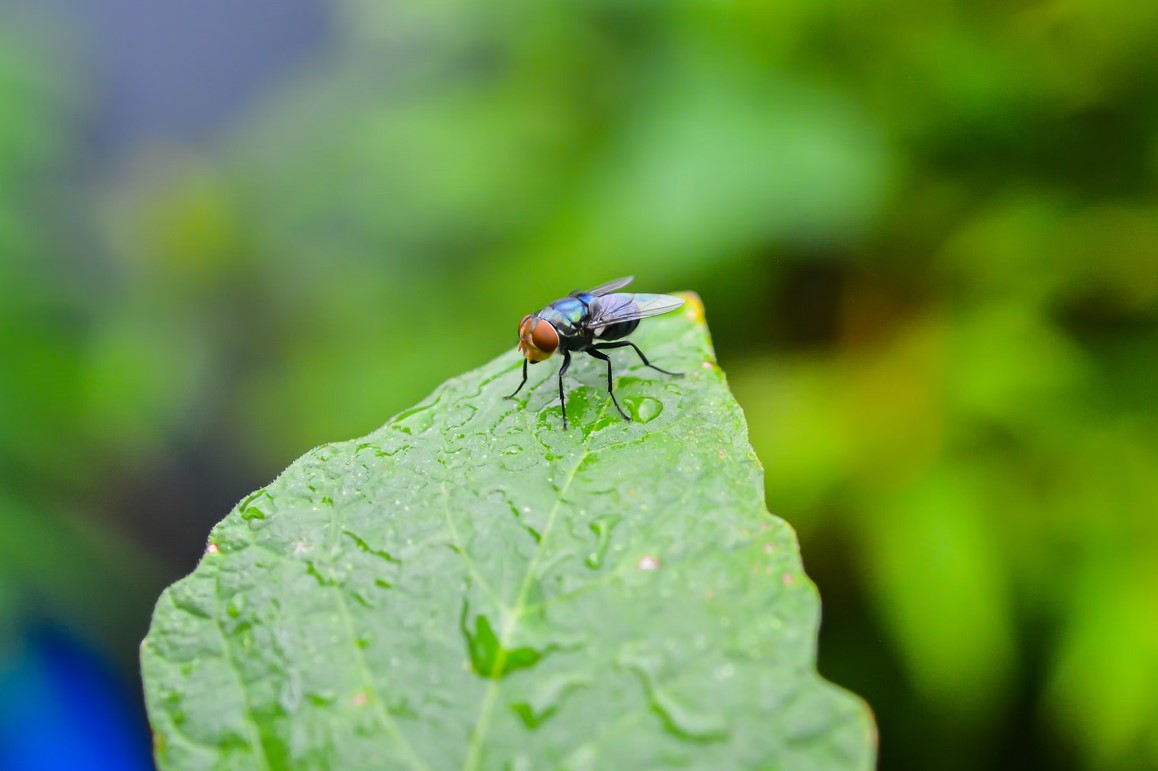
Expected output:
(62, 708)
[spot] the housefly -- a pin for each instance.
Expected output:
(588, 322)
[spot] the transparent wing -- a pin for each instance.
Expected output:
(611, 286)
(615, 308)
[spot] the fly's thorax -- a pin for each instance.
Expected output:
(566, 316)
(586, 298)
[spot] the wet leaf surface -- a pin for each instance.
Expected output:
(472, 587)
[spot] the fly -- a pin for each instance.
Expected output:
(587, 322)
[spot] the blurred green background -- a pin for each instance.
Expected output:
(926, 234)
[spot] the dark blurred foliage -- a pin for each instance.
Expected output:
(926, 235)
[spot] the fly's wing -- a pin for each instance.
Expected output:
(615, 308)
(611, 286)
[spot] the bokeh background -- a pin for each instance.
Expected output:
(926, 234)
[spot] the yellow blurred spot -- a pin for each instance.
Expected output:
(693, 306)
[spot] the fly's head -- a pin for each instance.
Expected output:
(537, 339)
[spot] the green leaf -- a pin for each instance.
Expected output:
(473, 587)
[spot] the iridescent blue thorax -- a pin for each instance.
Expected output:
(564, 315)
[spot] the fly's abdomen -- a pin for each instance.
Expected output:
(616, 331)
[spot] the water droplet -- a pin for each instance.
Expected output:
(643, 408)
(321, 698)
(687, 722)
(546, 696)
(586, 758)
(488, 657)
(459, 416)
(515, 458)
(414, 420)
(312, 569)
(402, 708)
(552, 418)
(290, 696)
(520, 763)
(602, 528)
(679, 719)
(236, 605)
(367, 549)
(246, 508)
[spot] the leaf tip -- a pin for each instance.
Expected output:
(693, 306)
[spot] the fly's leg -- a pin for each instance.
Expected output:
(520, 388)
(610, 392)
(646, 363)
(562, 371)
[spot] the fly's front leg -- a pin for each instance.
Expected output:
(610, 391)
(520, 388)
(646, 363)
(562, 400)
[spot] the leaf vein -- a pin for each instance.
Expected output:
(254, 733)
(510, 625)
(387, 721)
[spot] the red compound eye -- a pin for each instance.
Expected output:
(544, 336)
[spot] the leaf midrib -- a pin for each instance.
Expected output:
(482, 726)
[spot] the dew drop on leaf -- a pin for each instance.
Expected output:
(681, 719)
(546, 696)
(643, 409)
(488, 657)
(236, 605)
(602, 528)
